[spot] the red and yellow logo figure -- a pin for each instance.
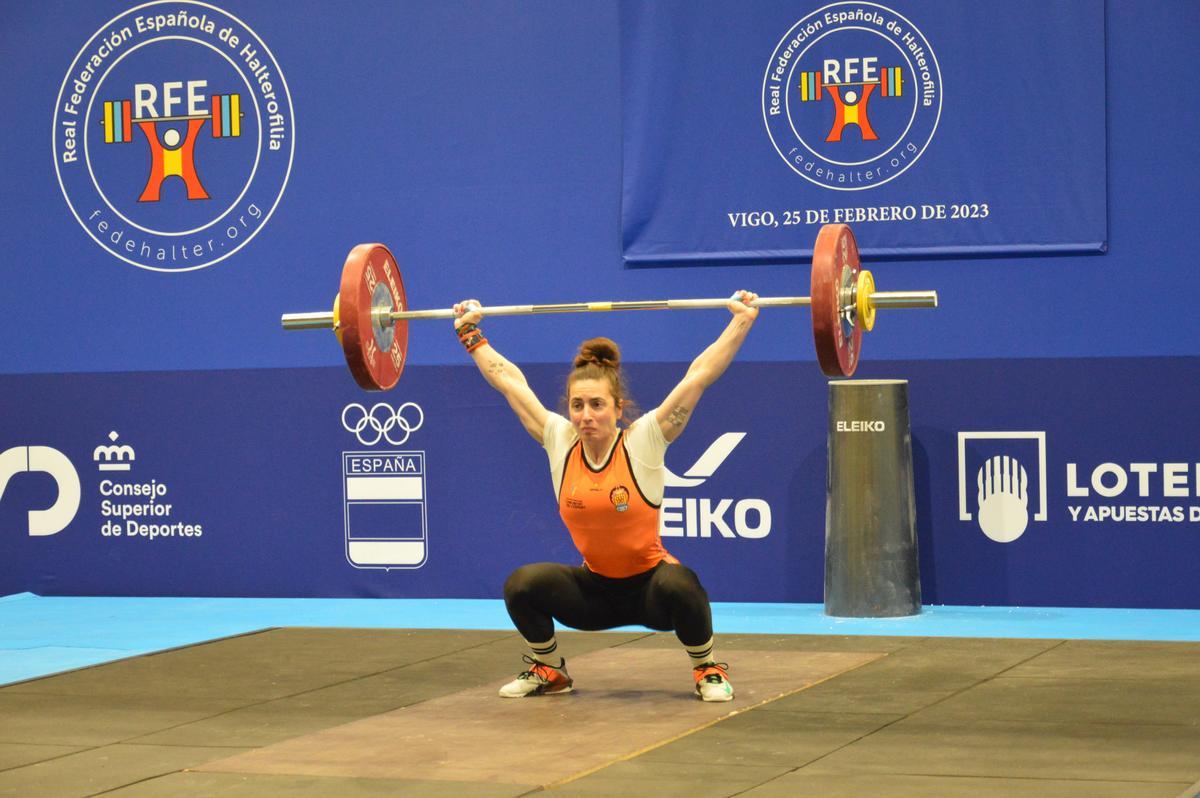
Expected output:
(174, 155)
(837, 79)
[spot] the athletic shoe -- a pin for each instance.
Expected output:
(712, 681)
(540, 679)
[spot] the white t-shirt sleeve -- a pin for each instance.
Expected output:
(558, 436)
(647, 452)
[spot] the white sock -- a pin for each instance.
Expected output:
(701, 654)
(544, 652)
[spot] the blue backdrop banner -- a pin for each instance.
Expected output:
(292, 482)
(932, 126)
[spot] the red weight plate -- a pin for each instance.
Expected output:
(837, 335)
(374, 351)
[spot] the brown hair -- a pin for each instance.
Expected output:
(600, 359)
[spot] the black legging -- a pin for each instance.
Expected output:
(667, 597)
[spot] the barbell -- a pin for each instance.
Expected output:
(370, 315)
(225, 111)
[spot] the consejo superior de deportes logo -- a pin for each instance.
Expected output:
(173, 135)
(852, 96)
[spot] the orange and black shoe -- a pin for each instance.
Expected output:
(712, 681)
(540, 679)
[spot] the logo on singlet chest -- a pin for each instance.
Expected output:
(619, 496)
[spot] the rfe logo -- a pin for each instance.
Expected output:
(851, 96)
(173, 135)
(850, 84)
(172, 152)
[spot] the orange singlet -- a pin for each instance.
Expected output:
(612, 524)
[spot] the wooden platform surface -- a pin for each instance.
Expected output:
(626, 702)
(935, 716)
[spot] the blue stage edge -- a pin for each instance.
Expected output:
(43, 635)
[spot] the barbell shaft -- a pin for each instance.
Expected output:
(880, 299)
(167, 118)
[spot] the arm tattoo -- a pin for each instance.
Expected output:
(496, 367)
(678, 416)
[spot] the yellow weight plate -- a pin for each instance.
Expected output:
(337, 327)
(865, 308)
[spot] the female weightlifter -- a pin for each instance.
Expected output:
(609, 481)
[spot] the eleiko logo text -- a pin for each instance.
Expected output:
(702, 517)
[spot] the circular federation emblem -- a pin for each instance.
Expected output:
(173, 135)
(852, 96)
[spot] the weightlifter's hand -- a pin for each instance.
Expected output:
(739, 304)
(467, 312)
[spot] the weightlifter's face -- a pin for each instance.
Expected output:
(594, 410)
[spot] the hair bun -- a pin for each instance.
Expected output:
(603, 352)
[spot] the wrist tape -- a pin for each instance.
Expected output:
(471, 337)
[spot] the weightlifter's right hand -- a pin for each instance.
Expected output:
(467, 312)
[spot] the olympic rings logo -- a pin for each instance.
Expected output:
(381, 424)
